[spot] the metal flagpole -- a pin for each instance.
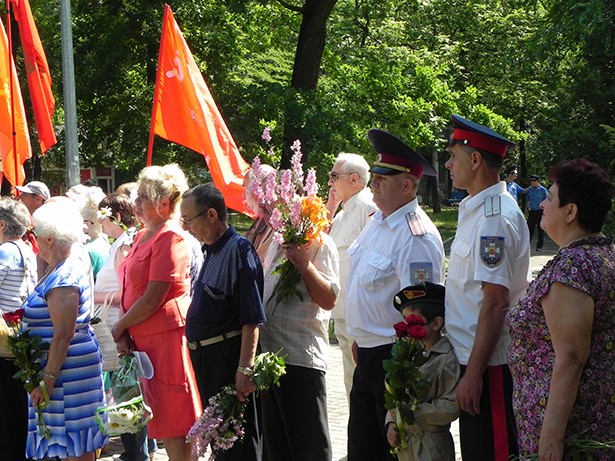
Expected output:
(70, 100)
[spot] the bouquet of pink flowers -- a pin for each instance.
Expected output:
(297, 216)
(403, 380)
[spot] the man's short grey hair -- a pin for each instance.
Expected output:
(207, 196)
(354, 163)
(59, 220)
(16, 216)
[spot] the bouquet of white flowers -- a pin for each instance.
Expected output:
(127, 413)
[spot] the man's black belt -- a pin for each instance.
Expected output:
(213, 340)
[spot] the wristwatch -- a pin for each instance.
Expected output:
(246, 371)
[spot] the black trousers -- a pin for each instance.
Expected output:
(491, 435)
(215, 367)
(366, 432)
(533, 220)
(294, 415)
(13, 414)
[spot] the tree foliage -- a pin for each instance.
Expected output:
(540, 72)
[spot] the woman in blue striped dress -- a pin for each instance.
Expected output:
(58, 310)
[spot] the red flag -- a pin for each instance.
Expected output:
(37, 70)
(185, 113)
(13, 154)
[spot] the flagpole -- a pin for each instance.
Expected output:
(150, 149)
(11, 89)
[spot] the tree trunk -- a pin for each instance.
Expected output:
(311, 43)
(306, 69)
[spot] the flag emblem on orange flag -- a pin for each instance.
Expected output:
(13, 155)
(37, 70)
(185, 113)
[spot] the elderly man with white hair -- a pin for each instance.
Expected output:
(347, 186)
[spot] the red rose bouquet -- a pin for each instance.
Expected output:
(28, 352)
(9, 327)
(403, 380)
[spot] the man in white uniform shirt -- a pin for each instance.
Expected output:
(399, 246)
(488, 272)
(347, 186)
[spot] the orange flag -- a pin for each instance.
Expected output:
(185, 113)
(13, 155)
(37, 70)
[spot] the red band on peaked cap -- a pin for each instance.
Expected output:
(479, 136)
(394, 156)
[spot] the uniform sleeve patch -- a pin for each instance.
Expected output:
(421, 272)
(492, 250)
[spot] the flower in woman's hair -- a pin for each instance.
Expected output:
(266, 134)
(104, 212)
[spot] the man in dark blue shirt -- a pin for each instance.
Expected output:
(227, 307)
(535, 196)
(512, 187)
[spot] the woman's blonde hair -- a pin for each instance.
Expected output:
(160, 182)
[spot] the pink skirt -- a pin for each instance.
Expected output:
(172, 393)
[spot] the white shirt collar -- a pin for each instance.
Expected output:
(398, 216)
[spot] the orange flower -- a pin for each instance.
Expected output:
(314, 210)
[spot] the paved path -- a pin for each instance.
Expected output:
(336, 395)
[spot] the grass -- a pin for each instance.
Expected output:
(240, 221)
(445, 221)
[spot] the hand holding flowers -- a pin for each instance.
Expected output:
(297, 216)
(222, 424)
(28, 352)
(403, 379)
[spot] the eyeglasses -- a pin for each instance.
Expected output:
(188, 221)
(333, 176)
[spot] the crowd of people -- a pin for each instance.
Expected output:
(525, 366)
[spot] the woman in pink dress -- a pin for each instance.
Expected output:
(155, 282)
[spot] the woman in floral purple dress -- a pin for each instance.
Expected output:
(562, 353)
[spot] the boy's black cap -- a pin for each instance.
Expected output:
(534, 177)
(425, 293)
